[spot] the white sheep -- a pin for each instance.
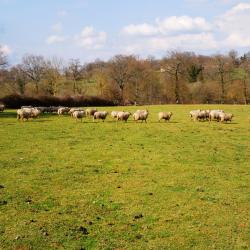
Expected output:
(215, 115)
(23, 114)
(78, 114)
(90, 111)
(63, 110)
(225, 117)
(100, 115)
(114, 114)
(141, 115)
(165, 116)
(123, 116)
(72, 110)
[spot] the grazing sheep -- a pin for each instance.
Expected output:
(90, 111)
(2, 107)
(63, 110)
(72, 110)
(194, 113)
(78, 114)
(141, 115)
(215, 115)
(114, 114)
(225, 117)
(23, 114)
(165, 116)
(199, 115)
(123, 116)
(34, 113)
(100, 115)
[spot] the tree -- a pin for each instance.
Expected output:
(18, 78)
(220, 67)
(120, 71)
(53, 71)
(34, 68)
(74, 72)
(174, 67)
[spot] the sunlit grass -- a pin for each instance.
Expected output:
(108, 185)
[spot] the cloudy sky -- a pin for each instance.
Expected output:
(90, 29)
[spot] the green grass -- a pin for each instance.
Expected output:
(177, 185)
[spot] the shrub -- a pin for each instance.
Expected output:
(16, 101)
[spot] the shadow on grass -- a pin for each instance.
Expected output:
(163, 122)
(229, 123)
(6, 114)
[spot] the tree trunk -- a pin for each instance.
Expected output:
(222, 87)
(37, 89)
(245, 90)
(177, 94)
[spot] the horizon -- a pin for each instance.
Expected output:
(90, 30)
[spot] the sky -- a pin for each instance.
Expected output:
(99, 29)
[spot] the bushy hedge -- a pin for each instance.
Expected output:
(16, 101)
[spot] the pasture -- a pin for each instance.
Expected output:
(107, 185)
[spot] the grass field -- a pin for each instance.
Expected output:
(177, 185)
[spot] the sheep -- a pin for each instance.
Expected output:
(100, 115)
(114, 114)
(2, 107)
(215, 115)
(90, 111)
(35, 112)
(23, 114)
(123, 116)
(164, 115)
(194, 113)
(78, 114)
(198, 115)
(141, 115)
(72, 110)
(63, 110)
(225, 117)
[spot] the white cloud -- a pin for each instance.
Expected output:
(55, 39)
(236, 40)
(228, 31)
(57, 27)
(91, 39)
(5, 49)
(140, 29)
(201, 42)
(182, 24)
(172, 24)
(234, 26)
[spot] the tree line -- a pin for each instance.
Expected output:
(178, 77)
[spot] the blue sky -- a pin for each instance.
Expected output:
(90, 29)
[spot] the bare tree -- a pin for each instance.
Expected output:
(222, 69)
(174, 67)
(18, 78)
(74, 72)
(34, 68)
(53, 74)
(121, 71)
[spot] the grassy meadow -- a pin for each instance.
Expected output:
(107, 185)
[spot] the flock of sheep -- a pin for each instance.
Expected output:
(27, 112)
(211, 115)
